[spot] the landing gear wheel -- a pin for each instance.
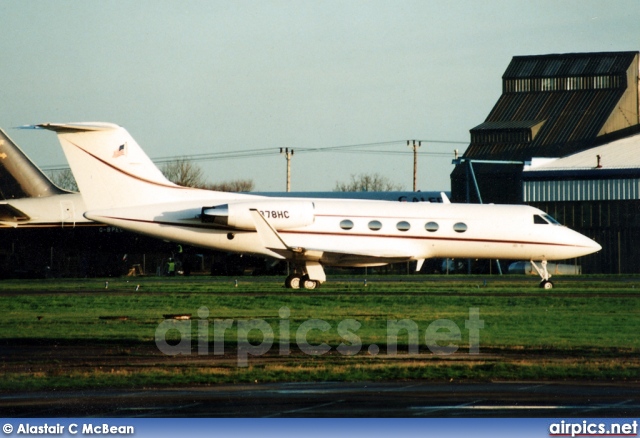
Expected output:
(307, 283)
(292, 282)
(544, 274)
(546, 284)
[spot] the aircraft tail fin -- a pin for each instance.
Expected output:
(111, 169)
(19, 176)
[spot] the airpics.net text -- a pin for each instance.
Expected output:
(256, 337)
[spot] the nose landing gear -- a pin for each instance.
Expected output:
(545, 283)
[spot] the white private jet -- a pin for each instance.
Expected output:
(29, 199)
(122, 187)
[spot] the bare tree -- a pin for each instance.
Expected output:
(64, 179)
(239, 185)
(365, 182)
(184, 173)
(188, 174)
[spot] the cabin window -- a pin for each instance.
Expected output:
(346, 224)
(460, 227)
(375, 225)
(403, 226)
(431, 227)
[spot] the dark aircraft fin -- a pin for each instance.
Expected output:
(19, 176)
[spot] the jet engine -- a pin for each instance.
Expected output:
(281, 215)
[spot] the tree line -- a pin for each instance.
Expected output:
(189, 174)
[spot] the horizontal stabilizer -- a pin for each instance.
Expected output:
(10, 215)
(74, 127)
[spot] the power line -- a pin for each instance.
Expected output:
(261, 152)
(428, 154)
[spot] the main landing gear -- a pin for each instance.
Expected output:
(308, 276)
(545, 283)
(296, 281)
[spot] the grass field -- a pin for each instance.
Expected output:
(80, 334)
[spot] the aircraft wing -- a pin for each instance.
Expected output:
(351, 259)
(337, 258)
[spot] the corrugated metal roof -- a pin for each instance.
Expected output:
(570, 117)
(569, 64)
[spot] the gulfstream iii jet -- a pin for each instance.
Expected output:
(122, 187)
(28, 199)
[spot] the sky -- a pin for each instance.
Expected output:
(343, 83)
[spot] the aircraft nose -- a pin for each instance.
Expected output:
(590, 245)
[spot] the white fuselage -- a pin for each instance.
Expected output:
(388, 230)
(55, 211)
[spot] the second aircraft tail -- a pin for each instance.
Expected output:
(19, 176)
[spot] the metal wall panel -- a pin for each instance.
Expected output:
(582, 190)
(614, 225)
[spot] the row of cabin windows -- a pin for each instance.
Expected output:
(376, 225)
(432, 227)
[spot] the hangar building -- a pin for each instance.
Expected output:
(564, 136)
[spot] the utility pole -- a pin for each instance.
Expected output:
(288, 156)
(415, 162)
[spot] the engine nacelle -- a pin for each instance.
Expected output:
(282, 215)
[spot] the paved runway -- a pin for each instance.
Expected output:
(337, 399)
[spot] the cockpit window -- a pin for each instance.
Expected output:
(537, 219)
(544, 219)
(551, 219)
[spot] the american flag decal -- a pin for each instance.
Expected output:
(122, 150)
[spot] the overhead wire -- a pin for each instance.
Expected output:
(261, 152)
